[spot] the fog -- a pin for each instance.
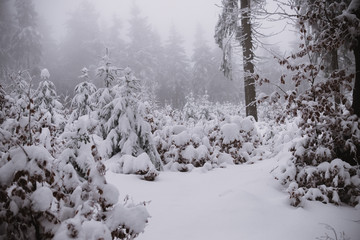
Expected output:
(169, 45)
(161, 14)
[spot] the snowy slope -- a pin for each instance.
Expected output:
(237, 202)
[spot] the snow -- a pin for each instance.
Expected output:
(129, 217)
(247, 125)
(95, 230)
(45, 74)
(128, 164)
(230, 132)
(181, 138)
(41, 199)
(178, 129)
(7, 171)
(231, 203)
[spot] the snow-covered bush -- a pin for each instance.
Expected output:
(79, 137)
(128, 164)
(324, 165)
(325, 162)
(53, 186)
(200, 108)
(43, 198)
(21, 119)
(214, 143)
(328, 182)
(197, 109)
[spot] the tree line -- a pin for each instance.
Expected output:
(168, 72)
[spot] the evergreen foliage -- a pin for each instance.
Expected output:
(82, 103)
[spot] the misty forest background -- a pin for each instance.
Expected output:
(118, 98)
(163, 65)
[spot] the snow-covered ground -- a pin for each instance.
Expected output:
(237, 202)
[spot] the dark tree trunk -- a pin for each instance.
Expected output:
(248, 57)
(334, 67)
(356, 91)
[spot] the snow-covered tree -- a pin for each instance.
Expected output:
(106, 71)
(82, 103)
(47, 101)
(124, 126)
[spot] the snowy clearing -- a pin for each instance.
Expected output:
(237, 202)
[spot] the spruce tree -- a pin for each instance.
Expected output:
(176, 71)
(203, 63)
(122, 117)
(26, 46)
(83, 101)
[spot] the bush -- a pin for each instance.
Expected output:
(212, 143)
(43, 198)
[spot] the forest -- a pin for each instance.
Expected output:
(113, 129)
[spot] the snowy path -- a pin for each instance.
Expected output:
(238, 202)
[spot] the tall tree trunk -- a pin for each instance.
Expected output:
(356, 91)
(248, 57)
(334, 67)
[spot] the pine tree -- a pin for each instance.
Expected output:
(49, 108)
(144, 51)
(203, 63)
(115, 43)
(126, 130)
(7, 29)
(83, 102)
(26, 41)
(176, 72)
(121, 115)
(82, 44)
